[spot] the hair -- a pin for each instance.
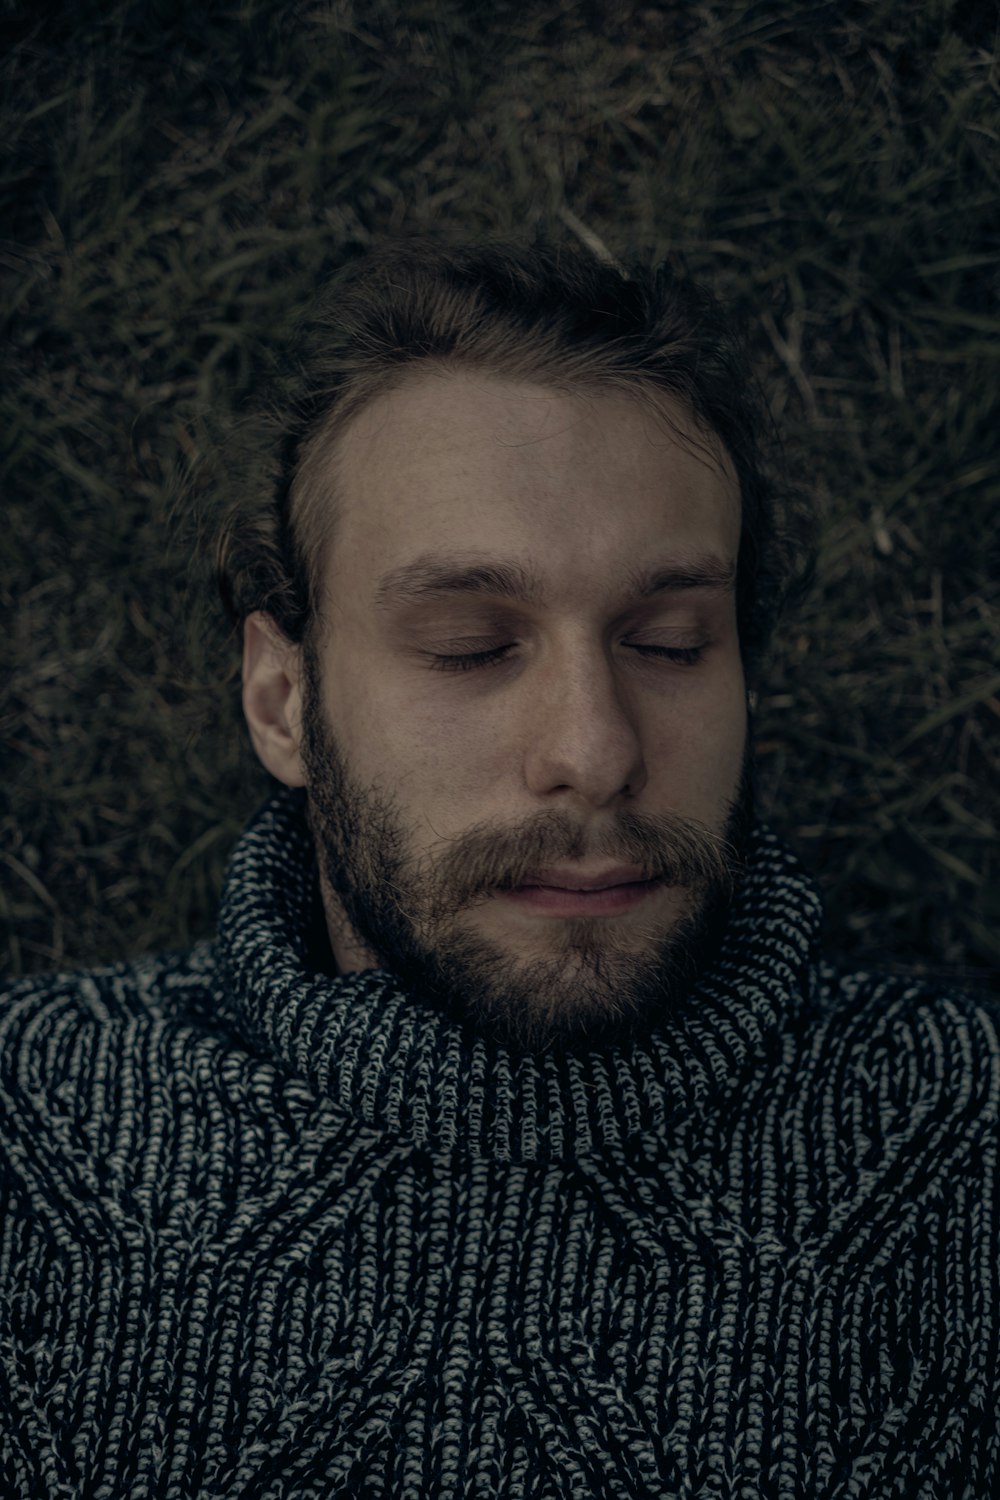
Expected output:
(550, 313)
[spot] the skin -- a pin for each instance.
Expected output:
(433, 792)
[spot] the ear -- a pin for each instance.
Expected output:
(272, 698)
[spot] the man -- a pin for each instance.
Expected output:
(513, 1138)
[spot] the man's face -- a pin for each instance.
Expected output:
(511, 697)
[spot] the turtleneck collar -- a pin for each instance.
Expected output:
(401, 1067)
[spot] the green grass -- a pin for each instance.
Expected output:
(175, 181)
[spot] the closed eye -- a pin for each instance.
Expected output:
(684, 656)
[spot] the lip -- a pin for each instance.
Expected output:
(575, 880)
(561, 901)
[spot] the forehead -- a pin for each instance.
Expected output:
(574, 481)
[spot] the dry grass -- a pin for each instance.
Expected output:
(177, 178)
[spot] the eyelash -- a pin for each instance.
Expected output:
(683, 656)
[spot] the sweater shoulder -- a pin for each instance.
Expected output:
(915, 1046)
(177, 985)
(872, 999)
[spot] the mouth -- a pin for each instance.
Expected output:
(579, 900)
(569, 878)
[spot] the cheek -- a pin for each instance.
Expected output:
(355, 714)
(422, 743)
(699, 743)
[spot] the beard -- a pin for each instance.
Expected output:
(594, 983)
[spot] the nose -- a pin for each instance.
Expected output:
(582, 735)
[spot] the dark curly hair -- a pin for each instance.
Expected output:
(546, 312)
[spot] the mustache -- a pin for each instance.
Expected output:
(484, 858)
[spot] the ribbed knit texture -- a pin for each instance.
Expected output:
(266, 1233)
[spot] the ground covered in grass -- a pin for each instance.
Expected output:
(177, 178)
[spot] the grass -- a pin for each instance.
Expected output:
(176, 179)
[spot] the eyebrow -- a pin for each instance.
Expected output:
(435, 576)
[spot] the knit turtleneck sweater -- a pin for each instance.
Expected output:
(267, 1232)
